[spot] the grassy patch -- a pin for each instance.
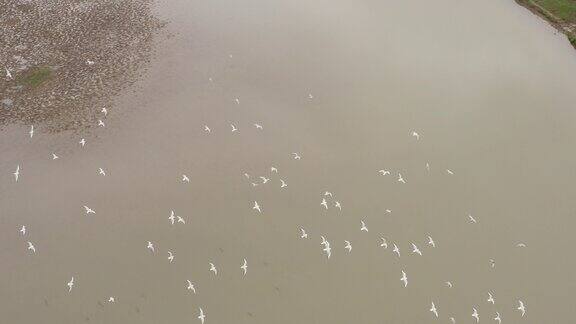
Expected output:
(572, 39)
(36, 76)
(563, 9)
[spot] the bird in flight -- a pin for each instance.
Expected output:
(172, 217)
(170, 256)
(328, 194)
(310, 96)
(104, 111)
(490, 298)
(89, 62)
(492, 263)
(185, 178)
(324, 203)
(88, 210)
(449, 284)
(475, 315)
(31, 132)
(327, 249)
(427, 166)
(102, 172)
(521, 307)
(273, 169)
(283, 183)
(70, 284)
(400, 178)
(415, 249)
(348, 246)
(256, 207)
(23, 230)
(191, 286)
(363, 226)
(244, 266)
(296, 156)
(82, 142)
(233, 128)
(150, 246)
(497, 318)
(180, 220)
(258, 126)
(304, 234)
(521, 245)
(337, 205)
(416, 135)
(111, 299)
(17, 172)
(213, 268)
(452, 320)
(201, 317)
(431, 241)
(264, 180)
(404, 278)
(472, 219)
(8, 74)
(54, 156)
(449, 171)
(207, 129)
(101, 123)
(433, 309)
(384, 172)
(396, 250)
(237, 101)
(31, 247)
(384, 243)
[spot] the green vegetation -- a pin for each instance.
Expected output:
(560, 13)
(563, 9)
(36, 76)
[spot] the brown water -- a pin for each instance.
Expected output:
(488, 86)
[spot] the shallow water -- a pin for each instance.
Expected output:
(487, 85)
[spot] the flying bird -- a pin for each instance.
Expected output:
(283, 183)
(472, 219)
(327, 249)
(415, 249)
(416, 135)
(31, 247)
(449, 284)
(150, 246)
(328, 194)
(324, 203)
(70, 284)
(521, 307)
(213, 268)
(88, 210)
(449, 171)
(404, 279)
(244, 266)
(497, 318)
(337, 205)
(181, 220)
(207, 129)
(104, 111)
(296, 156)
(54, 156)
(348, 246)
(8, 74)
(237, 101)
(172, 217)
(431, 241)
(304, 234)
(23, 230)
(400, 178)
(82, 142)
(31, 132)
(89, 62)
(258, 126)
(363, 226)
(102, 172)
(101, 123)
(233, 128)
(17, 172)
(521, 245)
(396, 250)
(427, 166)
(433, 309)
(111, 299)
(490, 298)
(492, 263)
(264, 180)
(310, 96)
(201, 316)
(256, 206)
(475, 315)
(191, 286)
(384, 172)
(273, 169)
(170, 256)
(384, 243)
(185, 178)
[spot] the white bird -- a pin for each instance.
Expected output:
(23, 230)
(296, 156)
(433, 309)
(104, 111)
(472, 219)
(237, 101)
(17, 172)
(273, 169)
(327, 249)
(328, 194)
(233, 128)
(396, 250)
(102, 172)
(8, 74)
(70, 284)
(431, 241)
(283, 183)
(213, 268)
(416, 135)
(191, 286)
(264, 180)
(400, 178)
(54, 156)
(388, 211)
(82, 142)
(415, 249)
(150, 246)
(201, 316)
(89, 62)
(172, 217)
(324, 203)
(337, 205)
(258, 126)
(427, 166)
(89, 210)
(497, 318)
(304, 234)
(490, 298)
(384, 172)
(207, 129)
(449, 171)
(348, 246)
(246, 175)
(521, 307)
(310, 96)
(449, 284)
(170, 256)
(244, 266)
(384, 243)
(404, 278)
(521, 245)
(323, 240)
(256, 206)
(363, 226)
(452, 320)
(181, 220)
(31, 132)
(492, 263)
(185, 178)
(475, 315)
(101, 123)
(31, 247)
(111, 299)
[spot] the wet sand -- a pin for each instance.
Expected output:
(487, 85)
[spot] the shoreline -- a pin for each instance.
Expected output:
(565, 27)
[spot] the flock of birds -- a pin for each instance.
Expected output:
(326, 202)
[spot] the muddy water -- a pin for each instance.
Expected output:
(488, 87)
